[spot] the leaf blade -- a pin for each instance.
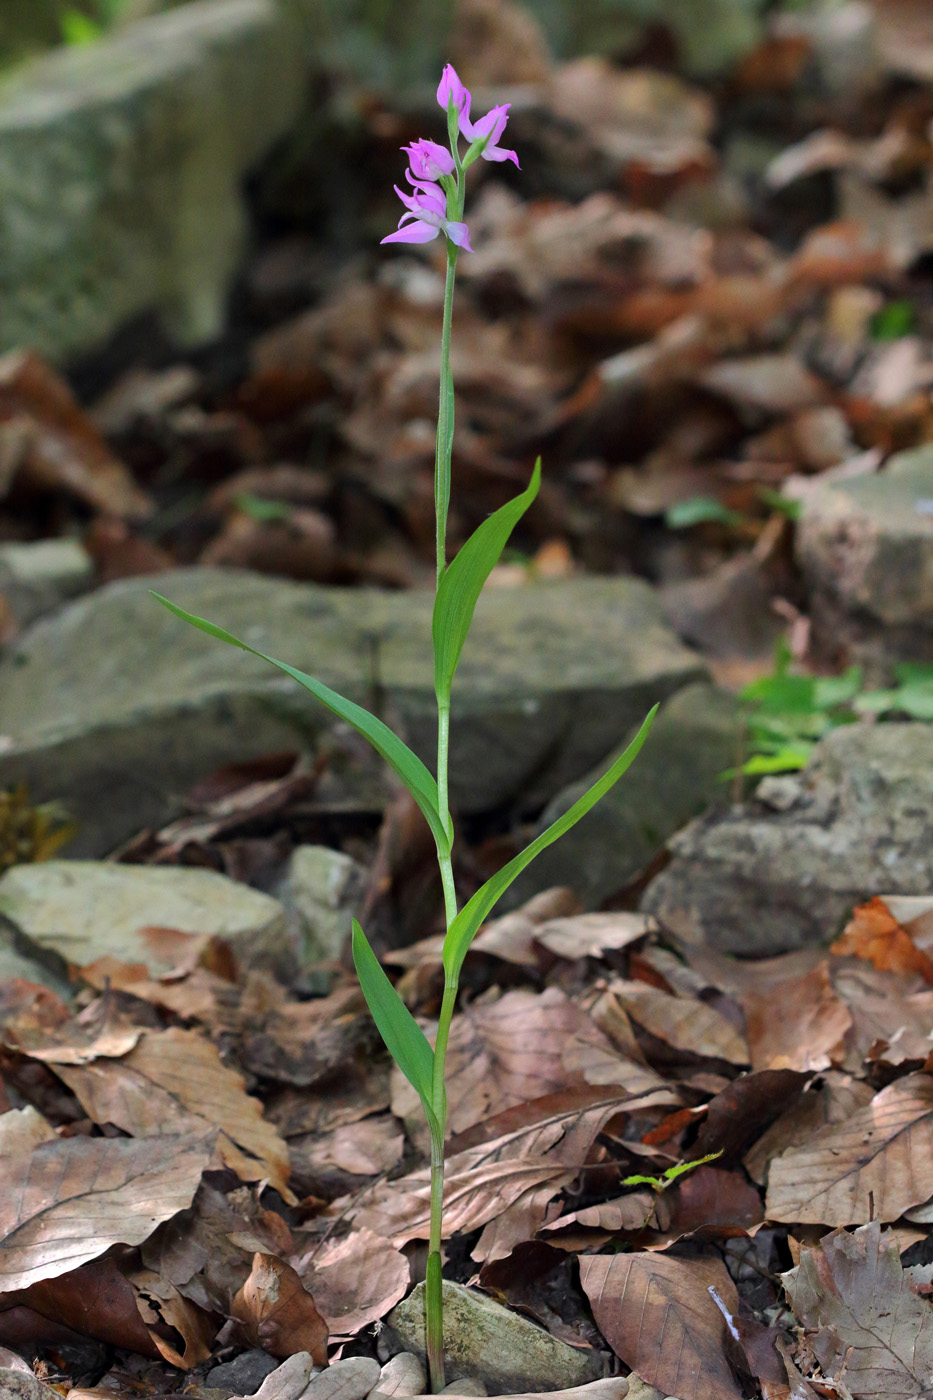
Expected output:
(404, 1038)
(474, 913)
(462, 582)
(405, 764)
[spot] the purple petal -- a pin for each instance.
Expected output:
(492, 125)
(417, 232)
(429, 160)
(497, 153)
(459, 234)
(451, 86)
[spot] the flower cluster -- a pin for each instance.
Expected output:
(435, 172)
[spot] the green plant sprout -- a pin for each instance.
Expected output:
(670, 1174)
(436, 207)
(788, 713)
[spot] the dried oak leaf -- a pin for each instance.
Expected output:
(799, 1024)
(873, 933)
(682, 1022)
(71, 1199)
(523, 1047)
(357, 1281)
(867, 1326)
(278, 1313)
(874, 1165)
(833, 1100)
(177, 1077)
(657, 1314)
(95, 1300)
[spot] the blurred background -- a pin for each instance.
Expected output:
(705, 299)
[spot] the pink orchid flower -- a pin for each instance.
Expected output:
(491, 127)
(428, 209)
(451, 86)
(429, 161)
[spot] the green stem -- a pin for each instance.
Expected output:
(445, 418)
(434, 1295)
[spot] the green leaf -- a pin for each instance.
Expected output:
(261, 509)
(78, 28)
(777, 501)
(473, 914)
(404, 1038)
(463, 579)
(786, 761)
(398, 755)
(699, 510)
(896, 319)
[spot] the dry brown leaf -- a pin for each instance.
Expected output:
(833, 1100)
(539, 1145)
(874, 934)
(22, 1129)
(356, 1281)
(865, 1324)
(891, 1021)
(278, 1313)
(657, 1314)
(162, 1307)
(623, 1215)
(60, 448)
(798, 1024)
(590, 935)
(95, 1300)
(682, 1022)
(71, 1199)
(716, 1200)
(177, 1077)
(875, 1165)
(523, 1047)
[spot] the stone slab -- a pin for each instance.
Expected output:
(73, 912)
(482, 1339)
(37, 577)
(121, 166)
(117, 708)
(784, 870)
(676, 775)
(865, 546)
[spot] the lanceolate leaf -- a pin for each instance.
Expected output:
(398, 755)
(462, 583)
(404, 1038)
(464, 927)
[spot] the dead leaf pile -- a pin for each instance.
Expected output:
(244, 1168)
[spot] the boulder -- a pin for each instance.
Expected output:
(784, 870)
(117, 708)
(71, 912)
(484, 1340)
(35, 578)
(865, 546)
(321, 890)
(675, 776)
(121, 167)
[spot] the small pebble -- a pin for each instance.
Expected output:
(286, 1382)
(351, 1379)
(402, 1375)
(244, 1374)
(468, 1386)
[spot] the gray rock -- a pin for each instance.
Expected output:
(22, 1385)
(402, 1375)
(349, 1379)
(288, 1381)
(116, 708)
(36, 578)
(74, 911)
(121, 165)
(485, 1340)
(771, 875)
(674, 777)
(321, 890)
(865, 546)
(244, 1374)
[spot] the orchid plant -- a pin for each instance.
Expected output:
(433, 209)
